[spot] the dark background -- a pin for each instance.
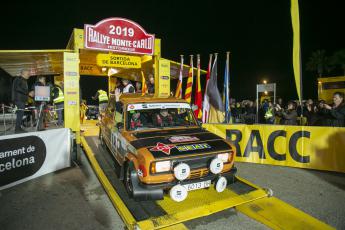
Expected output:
(258, 33)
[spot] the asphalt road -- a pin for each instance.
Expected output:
(74, 199)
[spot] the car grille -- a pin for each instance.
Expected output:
(198, 173)
(196, 162)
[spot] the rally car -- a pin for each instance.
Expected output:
(159, 146)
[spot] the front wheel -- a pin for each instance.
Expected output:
(128, 181)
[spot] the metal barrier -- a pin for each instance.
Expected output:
(8, 117)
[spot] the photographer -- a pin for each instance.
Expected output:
(334, 115)
(288, 116)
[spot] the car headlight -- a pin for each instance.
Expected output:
(160, 166)
(224, 157)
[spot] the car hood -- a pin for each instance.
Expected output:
(175, 143)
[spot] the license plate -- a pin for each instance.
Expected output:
(198, 185)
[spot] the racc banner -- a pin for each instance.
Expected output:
(320, 148)
(30, 155)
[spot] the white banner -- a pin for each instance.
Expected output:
(30, 155)
(158, 106)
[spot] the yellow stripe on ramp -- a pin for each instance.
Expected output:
(113, 196)
(277, 214)
(199, 203)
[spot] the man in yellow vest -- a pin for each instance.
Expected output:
(102, 98)
(58, 99)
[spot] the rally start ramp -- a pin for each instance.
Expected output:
(246, 197)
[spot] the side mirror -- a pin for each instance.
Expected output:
(119, 125)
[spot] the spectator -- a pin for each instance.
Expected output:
(270, 114)
(280, 102)
(20, 93)
(102, 98)
(335, 115)
(128, 87)
(59, 99)
(289, 116)
(151, 84)
(311, 112)
(138, 87)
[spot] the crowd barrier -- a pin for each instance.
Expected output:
(320, 148)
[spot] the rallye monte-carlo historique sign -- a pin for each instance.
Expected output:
(118, 35)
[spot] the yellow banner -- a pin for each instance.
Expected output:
(319, 148)
(164, 78)
(89, 69)
(296, 52)
(71, 91)
(122, 61)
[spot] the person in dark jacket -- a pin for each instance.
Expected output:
(20, 93)
(335, 115)
(288, 116)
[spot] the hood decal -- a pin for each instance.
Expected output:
(174, 139)
(187, 149)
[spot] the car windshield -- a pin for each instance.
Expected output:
(158, 115)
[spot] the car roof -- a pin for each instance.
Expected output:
(138, 98)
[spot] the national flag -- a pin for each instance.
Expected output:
(143, 84)
(296, 53)
(206, 104)
(178, 92)
(198, 96)
(216, 114)
(189, 87)
(226, 91)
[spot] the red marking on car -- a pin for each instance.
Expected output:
(163, 148)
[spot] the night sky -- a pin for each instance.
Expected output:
(258, 33)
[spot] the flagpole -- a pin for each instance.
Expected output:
(228, 87)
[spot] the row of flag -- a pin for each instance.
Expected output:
(211, 108)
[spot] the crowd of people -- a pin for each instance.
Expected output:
(309, 112)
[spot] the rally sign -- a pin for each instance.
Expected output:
(118, 35)
(124, 61)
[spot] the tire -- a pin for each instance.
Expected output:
(101, 140)
(128, 180)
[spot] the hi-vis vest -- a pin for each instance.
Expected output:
(60, 98)
(102, 96)
(269, 113)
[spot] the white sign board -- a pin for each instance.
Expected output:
(30, 155)
(265, 87)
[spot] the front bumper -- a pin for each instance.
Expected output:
(143, 191)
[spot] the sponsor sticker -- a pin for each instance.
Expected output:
(178, 139)
(184, 148)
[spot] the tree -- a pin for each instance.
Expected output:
(338, 59)
(318, 62)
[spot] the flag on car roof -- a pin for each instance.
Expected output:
(189, 87)
(198, 96)
(216, 113)
(206, 105)
(178, 92)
